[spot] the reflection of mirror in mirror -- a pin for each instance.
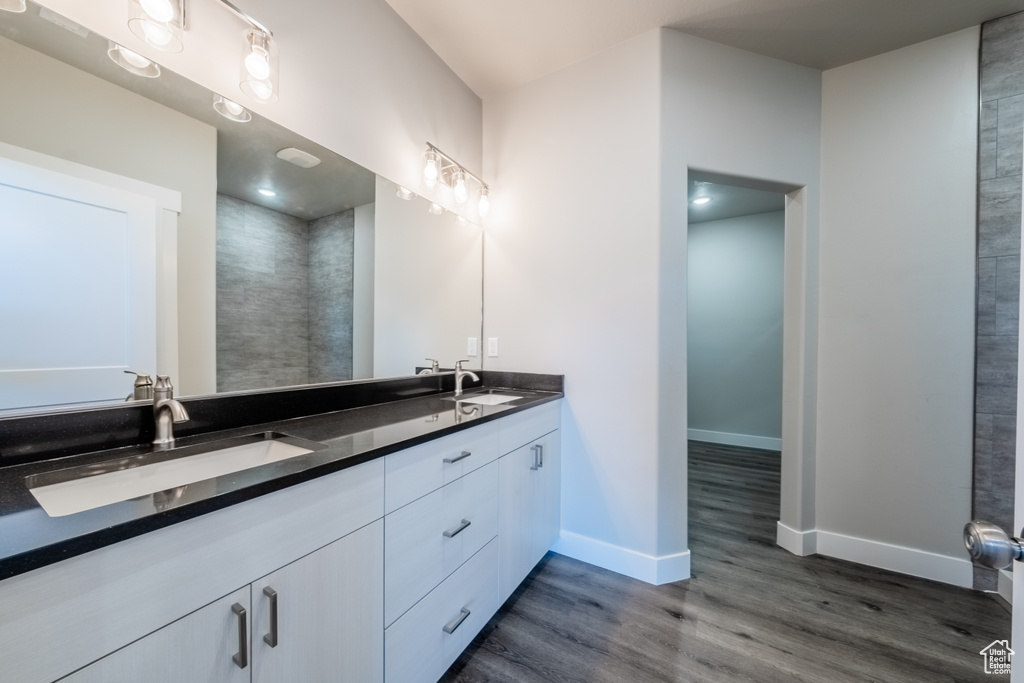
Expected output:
(411, 284)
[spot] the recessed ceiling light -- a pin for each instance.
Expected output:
(701, 200)
(267, 193)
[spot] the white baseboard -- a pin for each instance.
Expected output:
(921, 563)
(801, 543)
(654, 570)
(764, 442)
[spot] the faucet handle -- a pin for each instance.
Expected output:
(458, 365)
(434, 365)
(163, 387)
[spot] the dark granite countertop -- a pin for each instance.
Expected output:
(30, 538)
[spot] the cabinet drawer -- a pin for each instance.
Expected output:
(418, 647)
(522, 428)
(417, 471)
(429, 539)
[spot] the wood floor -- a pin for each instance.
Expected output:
(751, 612)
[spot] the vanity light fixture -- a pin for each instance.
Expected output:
(159, 23)
(231, 110)
(12, 5)
(132, 62)
(484, 204)
(259, 65)
(441, 169)
(405, 193)
(430, 168)
(459, 187)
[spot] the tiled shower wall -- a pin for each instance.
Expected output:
(283, 287)
(1000, 141)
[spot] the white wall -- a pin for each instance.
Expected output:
(895, 401)
(734, 330)
(585, 260)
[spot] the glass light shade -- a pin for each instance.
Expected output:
(159, 23)
(259, 68)
(459, 189)
(435, 209)
(231, 110)
(405, 193)
(132, 62)
(430, 169)
(484, 205)
(12, 5)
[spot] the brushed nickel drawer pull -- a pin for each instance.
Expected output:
(271, 638)
(452, 533)
(457, 622)
(461, 456)
(538, 456)
(242, 658)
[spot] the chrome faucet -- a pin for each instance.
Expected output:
(166, 411)
(434, 368)
(461, 374)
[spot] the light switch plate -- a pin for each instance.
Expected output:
(492, 347)
(471, 346)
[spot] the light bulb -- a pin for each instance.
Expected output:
(459, 191)
(155, 34)
(435, 209)
(161, 10)
(484, 205)
(404, 193)
(257, 63)
(233, 109)
(430, 171)
(262, 91)
(133, 58)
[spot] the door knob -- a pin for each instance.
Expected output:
(990, 546)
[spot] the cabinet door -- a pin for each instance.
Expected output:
(329, 617)
(202, 647)
(528, 508)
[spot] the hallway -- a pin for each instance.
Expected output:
(751, 612)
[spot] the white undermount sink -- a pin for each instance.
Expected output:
(93, 486)
(485, 399)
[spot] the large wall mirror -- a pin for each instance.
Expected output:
(284, 275)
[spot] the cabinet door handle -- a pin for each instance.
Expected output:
(242, 658)
(461, 456)
(271, 638)
(456, 622)
(452, 533)
(538, 456)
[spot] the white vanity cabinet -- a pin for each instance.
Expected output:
(199, 647)
(325, 626)
(528, 507)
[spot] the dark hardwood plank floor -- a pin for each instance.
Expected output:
(751, 611)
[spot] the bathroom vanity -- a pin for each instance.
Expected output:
(377, 557)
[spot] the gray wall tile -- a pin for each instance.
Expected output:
(1002, 60)
(331, 262)
(1010, 135)
(988, 123)
(1007, 294)
(986, 311)
(999, 209)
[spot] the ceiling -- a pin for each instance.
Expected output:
(496, 45)
(729, 201)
